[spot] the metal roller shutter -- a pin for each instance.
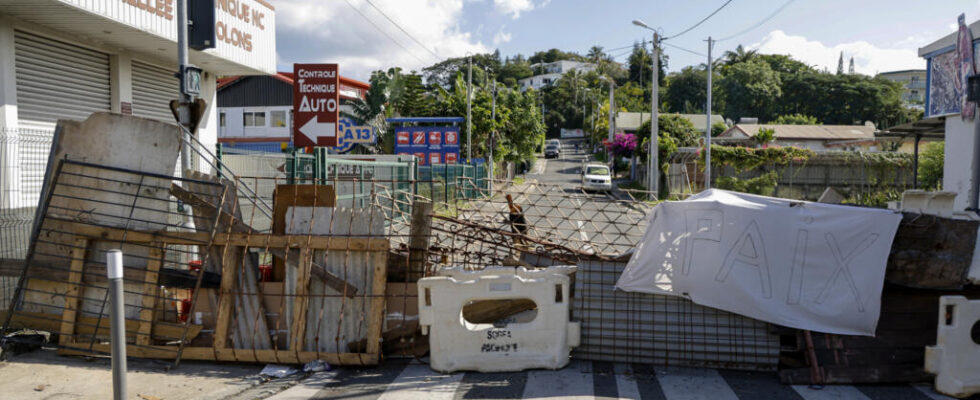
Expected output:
(153, 89)
(57, 80)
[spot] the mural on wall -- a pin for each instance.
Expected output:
(967, 66)
(944, 92)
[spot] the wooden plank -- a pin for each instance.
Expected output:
(301, 301)
(237, 355)
(289, 195)
(74, 293)
(149, 294)
(235, 239)
(418, 241)
(86, 325)
(376, 313)
(223, 317)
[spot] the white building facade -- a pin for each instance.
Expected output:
(65, 59)
(552, 72)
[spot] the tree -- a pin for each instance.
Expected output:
(765, 136)
(371, 110)
(596, 54)
(739, 55)
(687, 91)
(413, 101)
(796, 119)
(514, 70)
(680, 129)
(931, 166)
(718, 128)
(752, 89)
(840, 64)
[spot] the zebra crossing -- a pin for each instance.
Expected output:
(581, 380)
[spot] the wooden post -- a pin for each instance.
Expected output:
(74, 293)
(227, 297)
(378, 288)
(301, 300)
(418, 242)
(150, 288)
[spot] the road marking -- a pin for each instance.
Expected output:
(626, 382)
(694, 384)
(419, 381)
(308, 388)
(567, 383)
(830, 392)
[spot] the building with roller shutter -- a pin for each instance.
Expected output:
(65, 59)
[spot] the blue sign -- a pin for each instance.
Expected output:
(349, 134)
(430, 144)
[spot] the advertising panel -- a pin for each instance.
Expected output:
(316, 105)
(430, 144)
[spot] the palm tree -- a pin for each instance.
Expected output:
(739, 55)
(596, 54)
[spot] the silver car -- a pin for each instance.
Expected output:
(596, 177)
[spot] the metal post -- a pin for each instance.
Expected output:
(612, 105)
(117, 308)
(469, 123)
(653, 170)
(184, 113)
(915, 163)
(493, 132)
(975, 166)
(707, 128)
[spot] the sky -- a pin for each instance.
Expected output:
(367, 35)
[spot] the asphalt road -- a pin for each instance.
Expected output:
(559, 211)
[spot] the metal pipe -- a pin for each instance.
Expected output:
(707, 125)
(653, 169)
(915, 163)
(975, 166)
(469, 123)
(117, 307)
(493, 131)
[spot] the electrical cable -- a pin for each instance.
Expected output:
(376, 27)
(683, 49)
(778, 10)
(699, 22)
(404, 31)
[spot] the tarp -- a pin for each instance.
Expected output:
(799, 264)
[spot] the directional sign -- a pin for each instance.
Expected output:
(316, 103)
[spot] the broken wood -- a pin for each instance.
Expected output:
(166, 331)
(418, 241)
(932, 252)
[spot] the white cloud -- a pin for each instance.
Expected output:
(513, 7)
(868, 58)
(501, 37)
(319, 31)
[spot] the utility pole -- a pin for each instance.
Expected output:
(184, 112)
(707, 128)
(493, 130)
(469, 124)
(612, 106)
(653, 151)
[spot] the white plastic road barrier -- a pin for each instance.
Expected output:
(955, 359)
(514, 345)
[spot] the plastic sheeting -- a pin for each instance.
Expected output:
(813, 266)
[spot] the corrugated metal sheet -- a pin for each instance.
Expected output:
(58, 80)
(153, 89)
(664, 330)
(256, 91)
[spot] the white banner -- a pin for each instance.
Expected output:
(572, 133)
(799, 264)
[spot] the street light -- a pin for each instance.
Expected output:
(653, 173)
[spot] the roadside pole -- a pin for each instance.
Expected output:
(469, 124)
(184, 110)
(707, 127)
(493, 132)
(117, 308)
(653, 155)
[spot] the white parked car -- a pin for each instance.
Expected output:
(596, 177)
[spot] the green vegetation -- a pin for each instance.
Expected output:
(796, 119)
(931, 166)
(718, 128)
(764, 184)
(765, 136)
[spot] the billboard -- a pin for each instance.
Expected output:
(430, 144)
(316, 104)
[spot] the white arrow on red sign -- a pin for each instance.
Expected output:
(314, 130)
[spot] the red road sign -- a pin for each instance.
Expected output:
(451, 137)
(402, 137)
(418, 138)
(316, 104)
(435, 137)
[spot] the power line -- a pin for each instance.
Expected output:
(699, 22)
(778, 10)
(403, 30)
(376, 27)
(683, 49)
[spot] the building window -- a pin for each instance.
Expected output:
(278, 119)
(221, 120)
(254, 118)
